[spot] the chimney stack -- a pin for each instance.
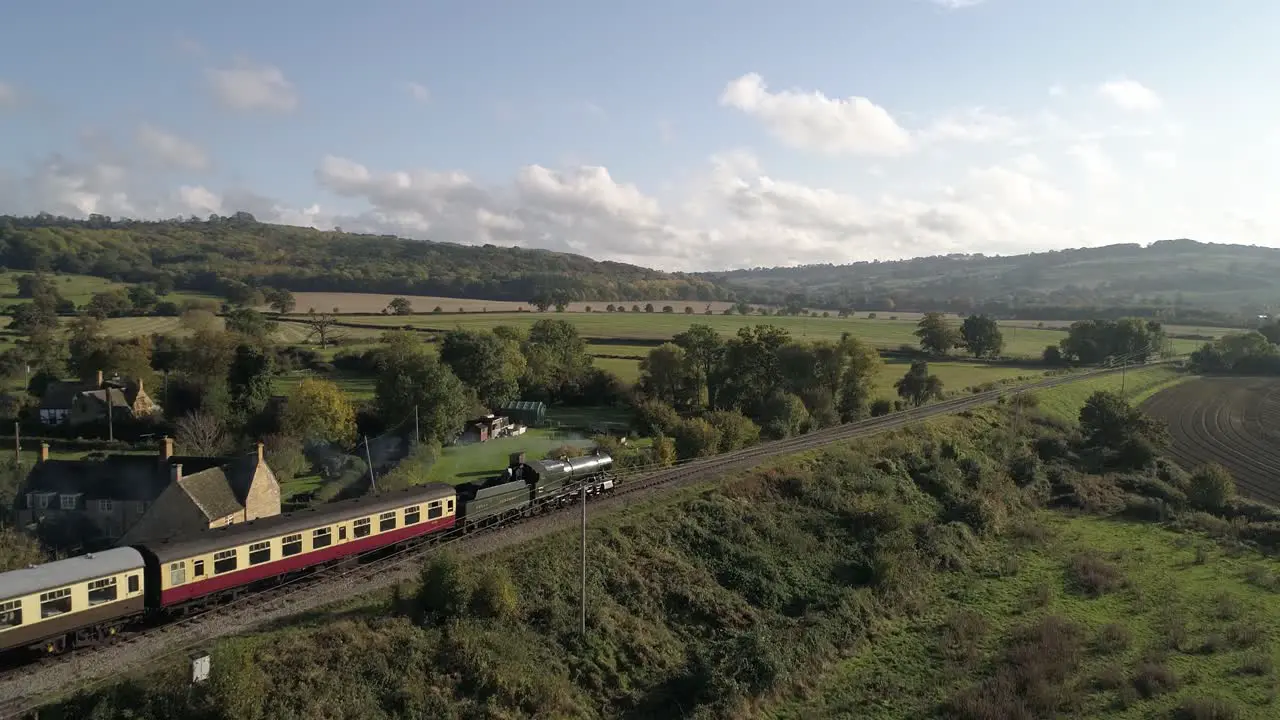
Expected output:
(99, 385)
(44, 452)
(260, 453)
(166, 448)
(177, 472)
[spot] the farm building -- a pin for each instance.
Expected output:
(83, 403)
(486, 428)
(526, 412)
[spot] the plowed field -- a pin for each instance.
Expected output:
(1234, 422)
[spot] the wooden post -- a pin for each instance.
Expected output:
(17, 445)
(373, 478)
(584, 557)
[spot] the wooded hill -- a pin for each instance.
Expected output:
(216, 254)
(1238, 280)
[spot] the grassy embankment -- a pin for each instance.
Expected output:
(1064, 402)
(906, 576)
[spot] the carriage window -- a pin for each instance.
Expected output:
(412, 514)
(321, 538)
(387, 521)
(363, 527)
(177, 573)
(10, 614)
(259, 553)
(134, 585)
(291, 545)
(224, 561)
(435, 510)
(342, 532)
(450, 507)
(197, 568)
(103, 591)
(55, 602)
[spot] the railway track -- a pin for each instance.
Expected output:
(26, 688)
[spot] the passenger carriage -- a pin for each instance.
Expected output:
(234, 558)
(79, 600)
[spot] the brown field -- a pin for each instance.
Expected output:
(373, 303)
(1233, 421)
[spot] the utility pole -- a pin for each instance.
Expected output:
(111, 425)
(17, 445)
(417, 430)
(1124, 365)
(584, 558)
(373, 477)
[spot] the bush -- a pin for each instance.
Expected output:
(1210, 488)
(1032, 679)
(495, 596)
(1257, 663)
(1154, 679)
(962, 635)
(1093, 576)
(881, 407)
(1112, 638)
(445, 591)
(695, 438)
(1206, 709)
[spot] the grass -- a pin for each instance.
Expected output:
(881, 332)
(81, 288)
(355, 386)
(1125, 653)
(476, 461)
(1064, 402)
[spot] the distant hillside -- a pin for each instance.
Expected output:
(221, 253)
(1234, 279)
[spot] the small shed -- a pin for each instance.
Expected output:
(526, 412)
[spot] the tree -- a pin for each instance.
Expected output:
(249, 379)
(201, 433)
(409, 378)
(400, 306)
(704, 352)
(318, 410)
(495, 596)
(19, 550)
(1210, 488)
(445, 590)
(33, 317)
(664, 375)
(250, 323)
(937, 336)
(110, 303)
(280, 300)
(322, 327)
(736, 430)
(783, 415)
(651, 418)
(142, 298)
(1109, 422)
(490, 365)
(918, 386)
(695, 438)
(981, 335)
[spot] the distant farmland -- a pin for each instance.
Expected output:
(375, 303)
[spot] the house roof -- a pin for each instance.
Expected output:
(59, 394)
(115, 477)
(118, 397)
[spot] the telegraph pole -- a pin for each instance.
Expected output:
(373, 478)
(584, 557)
(17, 445)
(417, 430)
(111, 425)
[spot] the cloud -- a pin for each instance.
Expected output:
(249, 86)
(9, 97)
(1161, 159)
(957, 4)
(812, 121)
(171, 149)
(1094, 161)
(418, 92)
(1130, 95)
(1056, 90)
(973, 125)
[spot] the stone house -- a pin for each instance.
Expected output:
(85, 402)
(130, 498)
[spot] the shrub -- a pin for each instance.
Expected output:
(1091, 575)
(1206, 709)
(1032, 679)
(1112, 638)
(495, 595)
(1210, 488)
(445, 590)
(962, 635)
(1154, 679)
(1257, 663)
(881, 407)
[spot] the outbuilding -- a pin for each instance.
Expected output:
(526, 412)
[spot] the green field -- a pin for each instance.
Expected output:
(955, 376)
(1064, 402)
(356, 387)
(1173, 584)
(81, 288)
(476, 461)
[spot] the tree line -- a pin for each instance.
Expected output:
(222, 255)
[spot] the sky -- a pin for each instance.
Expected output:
(675, 134)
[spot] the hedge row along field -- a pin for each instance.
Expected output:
(914, 575)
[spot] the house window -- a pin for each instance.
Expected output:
(55, 602)
(291, 545)
(435, 510)
(103, 591)
(106, 506)
(321, 538)
(42, 500)
(412, 514)
(387, 521)
(259, 553)
(10, 614)
(363, 527)
(69, 502)
(224, 561)
(197, 568)
(134, 584)
(177, 573)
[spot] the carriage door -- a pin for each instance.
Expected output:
(342, 533)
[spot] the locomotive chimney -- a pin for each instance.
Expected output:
(259, 453)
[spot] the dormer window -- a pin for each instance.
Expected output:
(43, 499)
(69, 501)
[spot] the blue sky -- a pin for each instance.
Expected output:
(688, 135)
